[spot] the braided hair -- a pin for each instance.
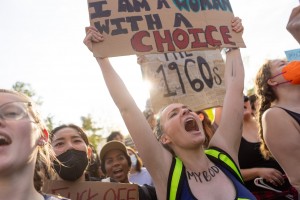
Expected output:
(266, 96)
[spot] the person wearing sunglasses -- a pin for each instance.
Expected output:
(277, 87)
(25, 151)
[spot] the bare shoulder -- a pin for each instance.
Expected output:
(274, 114)
(275, 122)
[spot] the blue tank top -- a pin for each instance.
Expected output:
(183, 190)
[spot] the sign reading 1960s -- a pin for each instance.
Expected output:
(161, 26)
(194, 78)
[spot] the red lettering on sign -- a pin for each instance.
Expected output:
(166, 41)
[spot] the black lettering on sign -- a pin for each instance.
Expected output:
(102, 28)
(217, 78)
(198, 5)
(181, 55)
(161, 69)
(134, 22)
(119, 30)
(161, 3)
(179, 18)
(203, 64)
(135, 6)
(99, 12)
(196, 84)
(153, 21)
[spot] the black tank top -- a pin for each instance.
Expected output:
(250, 157)
(294, 115)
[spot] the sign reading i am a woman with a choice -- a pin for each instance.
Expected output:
(161, 26)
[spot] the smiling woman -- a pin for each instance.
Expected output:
(116, 163)
(25, 152)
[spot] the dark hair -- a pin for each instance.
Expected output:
(246, 98)
(94, 165)
(252, 100)
(266, 96)
(139, 163)
(73, 126)
(113, 135)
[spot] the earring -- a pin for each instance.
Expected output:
(46, 134)
(41, 142)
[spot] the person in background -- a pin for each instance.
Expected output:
(252, 99)
(116, 163)
(254, 167)
(277, 86)
(71, 147)
(150, 117)
(138, 173)
(129, 142)
(208, 126)
(115, 135)
(175, 156)
(25, 152)
(94, 169)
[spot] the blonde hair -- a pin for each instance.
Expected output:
(45, 154)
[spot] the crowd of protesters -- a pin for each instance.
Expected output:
(251, 151)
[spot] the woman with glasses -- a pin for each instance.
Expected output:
(175, 158)
(25, 152)
(278, 89)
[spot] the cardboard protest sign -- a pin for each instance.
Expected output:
(293, 54)
(194, 78)
(160, 26)
(92, 190)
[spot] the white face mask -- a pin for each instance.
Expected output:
(133, 160)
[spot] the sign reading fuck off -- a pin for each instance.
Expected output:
(161, 26)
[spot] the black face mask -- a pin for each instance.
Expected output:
(74, 163)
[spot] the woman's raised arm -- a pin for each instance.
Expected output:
(151, 151)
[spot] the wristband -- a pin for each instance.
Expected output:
(227, 50)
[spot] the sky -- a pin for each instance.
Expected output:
(41, 45)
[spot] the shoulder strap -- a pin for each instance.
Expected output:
(175, 178)
(224, 158)
(145, 189)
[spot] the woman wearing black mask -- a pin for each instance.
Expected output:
(71, 147)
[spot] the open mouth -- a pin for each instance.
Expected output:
(4, 140)
(191, 125)
(118, 172)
